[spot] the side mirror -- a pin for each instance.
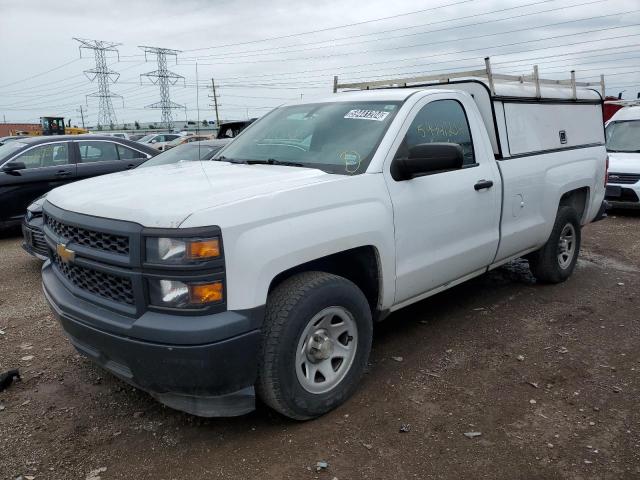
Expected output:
(13, 166)
(154, 141)
(428, 158)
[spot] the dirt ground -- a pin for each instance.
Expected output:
(547, 374)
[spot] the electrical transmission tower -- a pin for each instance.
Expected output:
(163, 78)
(104, 75)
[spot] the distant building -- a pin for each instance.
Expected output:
(7, 129)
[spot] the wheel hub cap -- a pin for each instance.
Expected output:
(326, 350)
(566, 245)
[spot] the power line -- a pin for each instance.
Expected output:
(428, 44)
(330, 28)
(332, 70)
(488, 48)
(22, 80)
(271, 51)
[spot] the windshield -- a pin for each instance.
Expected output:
(146, 138)
(188, 152)
(339, 137)
(7, 149)
(623, 136)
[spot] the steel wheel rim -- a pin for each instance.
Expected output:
(326, 350)
(566, 246)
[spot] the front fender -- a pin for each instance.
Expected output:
(267, 235)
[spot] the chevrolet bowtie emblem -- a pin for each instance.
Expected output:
(66, 255)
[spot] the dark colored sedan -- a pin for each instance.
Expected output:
(30, 167)
(188, 152)
(32, 233)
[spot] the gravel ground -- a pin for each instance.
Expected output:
(547, 374)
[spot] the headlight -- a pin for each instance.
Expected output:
(181, 251)
(176, 294)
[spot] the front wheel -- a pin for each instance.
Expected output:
(316, 342)
(555, 261)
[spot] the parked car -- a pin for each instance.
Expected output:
(264, 269)
(623, 145)
(123, 135)
(233, 129)
(186, 139)
(33, 241)
(134, 137)
(32, 166)
(4, 140)
(188, 152)
(158, 140)
(33, 236)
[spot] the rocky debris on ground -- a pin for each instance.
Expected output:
(95, 474)
(472, 434)
(405, 427)
(397, 359)
(8, 377)
(321, 465)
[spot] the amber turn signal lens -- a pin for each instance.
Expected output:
(204, 249)
(206, 293)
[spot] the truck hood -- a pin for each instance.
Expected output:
(164, 196)
(620, 162)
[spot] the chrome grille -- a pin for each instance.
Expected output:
(624, 178)
(107, 242)
(111, 287)
(38, 244)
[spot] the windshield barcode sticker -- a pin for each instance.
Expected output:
(376, 115)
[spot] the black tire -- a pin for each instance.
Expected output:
(290, 307)
(544, 263)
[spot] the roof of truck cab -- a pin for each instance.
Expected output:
(380, 94)
(626, 113)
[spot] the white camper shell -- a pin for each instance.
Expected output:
(523, 115)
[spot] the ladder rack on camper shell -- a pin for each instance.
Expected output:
(485, 73)
(523, 114)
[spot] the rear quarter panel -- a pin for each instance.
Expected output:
(533, 187)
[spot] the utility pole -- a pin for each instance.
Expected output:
(215, 101)
(163, 78)
(104, 75)
(81, 115)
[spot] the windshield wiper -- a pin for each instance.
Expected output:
(269, 161)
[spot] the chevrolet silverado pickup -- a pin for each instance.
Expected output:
(261, 273)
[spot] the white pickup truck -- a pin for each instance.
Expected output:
(206, 283)
(623, 145)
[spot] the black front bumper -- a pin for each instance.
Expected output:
(33, 241)
(212, 378)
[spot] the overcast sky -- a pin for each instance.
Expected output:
(233, 42)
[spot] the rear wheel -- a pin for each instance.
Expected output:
(316, 343)
(555, 261)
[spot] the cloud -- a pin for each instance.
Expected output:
(253, 75)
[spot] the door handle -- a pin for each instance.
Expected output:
(482, 184)
(63, 173)
(130, 166)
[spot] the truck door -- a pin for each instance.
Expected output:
(447, 223)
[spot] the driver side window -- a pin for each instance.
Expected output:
(45, 156)
(441, 121)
